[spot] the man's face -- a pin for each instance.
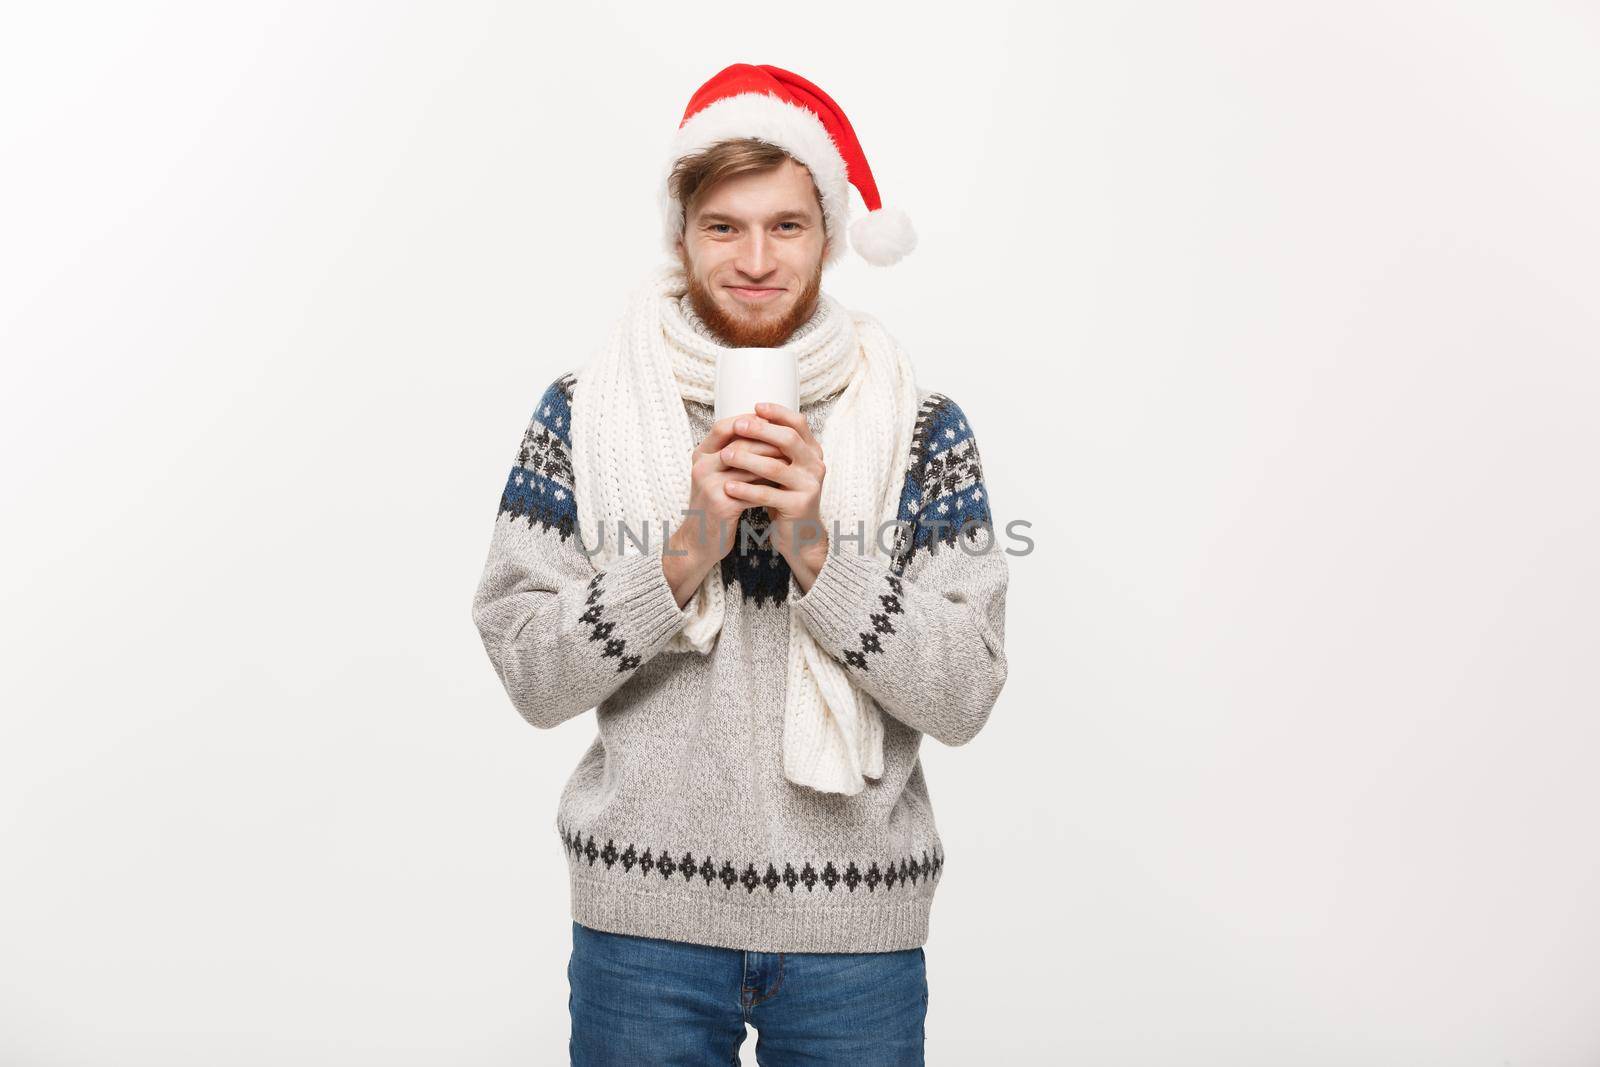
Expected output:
(752, 250)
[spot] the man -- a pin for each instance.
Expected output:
(750, 837)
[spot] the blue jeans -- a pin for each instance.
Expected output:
(645, 1000)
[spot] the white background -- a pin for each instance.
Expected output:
(1278, 322)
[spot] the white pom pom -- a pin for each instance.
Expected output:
(883, 237)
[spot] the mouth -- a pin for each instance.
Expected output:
(757, 295)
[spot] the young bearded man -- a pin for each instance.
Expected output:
(768, 612)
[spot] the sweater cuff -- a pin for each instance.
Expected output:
(844, 592)
(637, 584)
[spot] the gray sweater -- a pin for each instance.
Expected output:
(678, 821)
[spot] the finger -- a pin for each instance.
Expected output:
(760, 448)
(785, 437)
(787, 416)
(720, 434)
(743, 457)
(756, 495)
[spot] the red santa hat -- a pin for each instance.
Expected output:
(783, 109)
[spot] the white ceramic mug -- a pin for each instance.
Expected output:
(746, 376)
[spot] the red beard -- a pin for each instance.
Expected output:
(738, 331)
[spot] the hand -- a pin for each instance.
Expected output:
(794, 496)
(710, 529)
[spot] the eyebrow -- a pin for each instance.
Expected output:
(717, 216)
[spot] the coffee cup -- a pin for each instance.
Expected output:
(747, 376)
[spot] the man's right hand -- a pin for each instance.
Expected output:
(710, 530)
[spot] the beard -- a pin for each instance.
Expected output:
(754, 329)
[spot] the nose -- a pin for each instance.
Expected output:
(755, 255)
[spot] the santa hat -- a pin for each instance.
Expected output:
(783, 109)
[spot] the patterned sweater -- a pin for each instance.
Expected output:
(678, 821)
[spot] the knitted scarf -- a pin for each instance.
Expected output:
(631, 453)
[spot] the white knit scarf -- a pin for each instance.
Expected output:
(631, 453)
